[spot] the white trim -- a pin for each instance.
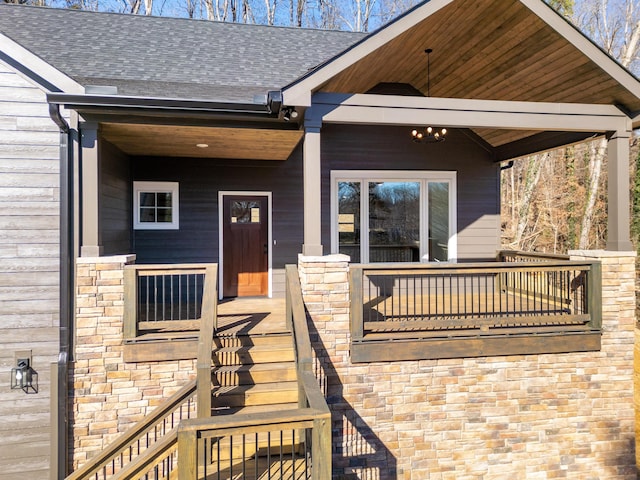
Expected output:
(157, 187)
(298, 93)
(369, 109)
(424, 177)
(38, 66)
(554, 20)
(221, 195)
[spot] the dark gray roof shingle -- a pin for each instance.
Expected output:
(170, 57)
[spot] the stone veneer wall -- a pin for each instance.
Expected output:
(529, 416)
(108, 395)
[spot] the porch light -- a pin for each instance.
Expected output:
(428, 134)
(289, 113)
(24, 377)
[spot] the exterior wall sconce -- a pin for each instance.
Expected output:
(24, 377)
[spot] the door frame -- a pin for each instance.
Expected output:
(221, 195)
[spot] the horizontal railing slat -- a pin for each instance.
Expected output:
(476, 323)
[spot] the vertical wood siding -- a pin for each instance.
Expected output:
(29, 259)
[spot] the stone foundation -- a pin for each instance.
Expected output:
(535, 416)
(108, 395)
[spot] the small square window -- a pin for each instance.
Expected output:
(155, 205)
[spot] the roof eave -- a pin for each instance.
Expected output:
(35, 68)
(84, 102)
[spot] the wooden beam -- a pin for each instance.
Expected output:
(464, 113)
(431, 349)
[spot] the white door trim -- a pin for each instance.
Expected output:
(221, 195)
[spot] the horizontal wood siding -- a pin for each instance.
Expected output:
(200, 181)
(343, 148)
(29, 260)
(116, 201)
(350, 147)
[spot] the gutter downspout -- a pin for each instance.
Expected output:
(59, 432)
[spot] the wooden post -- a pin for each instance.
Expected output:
(312, 189)
(321, 449)
(356, 311)
(130, 320)
(618, 218)
(594, 294)
(187, 454)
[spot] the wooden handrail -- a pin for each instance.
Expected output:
(137, 431)
(309, 390)
(149, 458)
(533, 255)
(208, 325)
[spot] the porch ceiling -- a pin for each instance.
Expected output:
(487, 49)
(181, 141)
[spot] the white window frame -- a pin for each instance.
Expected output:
(156, 187)
(424, 177)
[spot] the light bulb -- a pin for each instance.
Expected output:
(429, 129)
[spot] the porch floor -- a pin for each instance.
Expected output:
(254, 315)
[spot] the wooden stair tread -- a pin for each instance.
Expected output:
(256, 367)
(260, 468)
(273, 407)
(260, 387)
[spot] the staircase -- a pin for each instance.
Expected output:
(254, 374)
(255, 410)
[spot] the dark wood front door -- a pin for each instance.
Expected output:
(245, 247)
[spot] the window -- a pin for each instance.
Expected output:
(394, 216)
(156, 205)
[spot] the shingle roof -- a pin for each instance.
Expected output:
(170, 57)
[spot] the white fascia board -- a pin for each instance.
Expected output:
(582, 43)
(38, 66)
(462, 113)
(299, 93)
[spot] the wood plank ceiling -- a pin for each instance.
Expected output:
(182, 141)
(486, 49)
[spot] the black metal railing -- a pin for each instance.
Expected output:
(167, 297)
(474, 296)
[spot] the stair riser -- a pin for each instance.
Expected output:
(227, 358)
(251, 378)
(251, 399)
(246, 341)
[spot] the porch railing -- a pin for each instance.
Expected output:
(164, 298)
(142, 441)
(281, 445)
(460, 299)
(293, 444)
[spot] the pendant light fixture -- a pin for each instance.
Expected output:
(428, 134)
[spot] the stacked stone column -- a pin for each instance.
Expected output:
(108, 395)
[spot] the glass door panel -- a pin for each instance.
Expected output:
(349, 219)
(394, 221)
(438, 212)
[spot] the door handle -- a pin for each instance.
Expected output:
(266, 248)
